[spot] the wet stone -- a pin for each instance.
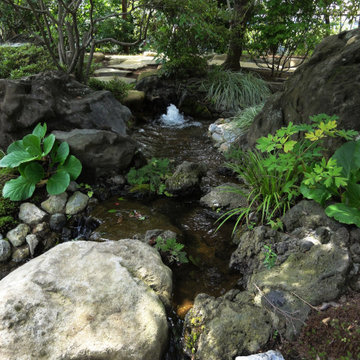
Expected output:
(17, 236)
(57, 222)
(77, 203)
(31, 214)
(21, 253)
(50, 241)
(5, 250)
(33, 242)
(41, 230)
(55, 203)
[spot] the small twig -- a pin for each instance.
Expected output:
(304, 301)
(286, 314)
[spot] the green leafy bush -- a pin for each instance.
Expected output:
(184, 67)
(280, 164)
(229, 90)
(24, 60)
(337, 179)
(172, 250)
(119, 88)
(40, 160)
(152, 175)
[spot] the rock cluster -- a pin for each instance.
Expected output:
(316, 259)
(40, 227)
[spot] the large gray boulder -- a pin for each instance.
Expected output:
(101, 152)
(86, 300)
(327, 83)
(61, 102)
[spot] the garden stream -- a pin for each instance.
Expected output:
(209, 251)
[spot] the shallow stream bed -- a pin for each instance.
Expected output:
(209, 250)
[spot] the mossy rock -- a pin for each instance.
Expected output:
(147, 74)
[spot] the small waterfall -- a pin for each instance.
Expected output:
(173, 118)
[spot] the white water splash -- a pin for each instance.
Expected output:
(173, 118)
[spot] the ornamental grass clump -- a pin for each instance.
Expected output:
(245, 118)
(284, 167)
(233, 91)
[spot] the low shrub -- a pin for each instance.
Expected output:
(119, 88)
(233, 91)
(184, 67)
(24, 60)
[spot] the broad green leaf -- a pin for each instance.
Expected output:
(40, 130)
(16, 146)
(16, 158)
(32, 144)
(18, 189)
(72, 166)
(48, 144)
(34, 172)
(58, 183)
(348, 157)
(319, 194)
(344, 213)
(62, 153)
(352, 195)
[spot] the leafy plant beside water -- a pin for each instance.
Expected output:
(172, 250)
(151, 177)
(275, 171)
(40, 160)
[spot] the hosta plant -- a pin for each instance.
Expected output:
(40, 160)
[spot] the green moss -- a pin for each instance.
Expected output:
(8, 208)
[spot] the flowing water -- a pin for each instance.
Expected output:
(175, 137)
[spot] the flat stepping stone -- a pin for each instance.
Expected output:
(111, 72)
(130, 65)
(109, 78)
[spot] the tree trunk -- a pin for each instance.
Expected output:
(124, 10)
(242, 13)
